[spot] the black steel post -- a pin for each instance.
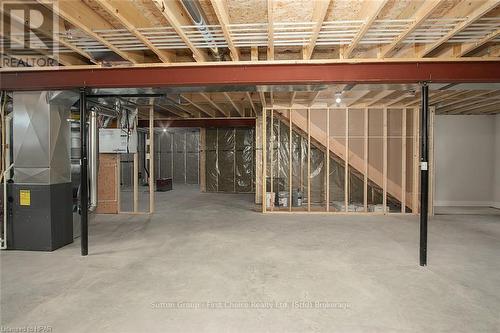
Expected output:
(424, 173)
(84, 190)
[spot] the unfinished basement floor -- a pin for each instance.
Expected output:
(203, 248)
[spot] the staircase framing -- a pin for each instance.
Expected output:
(360, 164)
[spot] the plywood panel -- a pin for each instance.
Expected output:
(108, 198)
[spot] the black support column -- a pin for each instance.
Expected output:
(84, 190)
(424, 172)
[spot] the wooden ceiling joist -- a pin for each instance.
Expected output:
(471, 18)
(320, 8)
(127, 15)
(220, 9)
(84, 18)
(270, 31)
(380, 96)
(372, 9)
(62, 58)
(207, 111)
(238, 109)
(214, 105)
(53, 36)
(252, 105)
(420, 16)
(172, 10)
(471, 47)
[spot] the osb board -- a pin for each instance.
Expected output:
(108, 184)
(149, 10)
(102, 13)
(400, 9)
(493, 13)
(292, 10)
(344, 10)
(247, 11)
(448, 5)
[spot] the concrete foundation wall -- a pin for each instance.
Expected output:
(496, 184)
(466, 159)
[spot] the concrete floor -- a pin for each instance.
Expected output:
(203, 248)
(466, 210)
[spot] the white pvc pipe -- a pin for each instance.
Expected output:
(5, 201)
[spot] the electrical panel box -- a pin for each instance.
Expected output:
(114, 140)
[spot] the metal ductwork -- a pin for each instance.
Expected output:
(199, 19)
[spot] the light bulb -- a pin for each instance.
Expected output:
(338, 100)
(164, 130)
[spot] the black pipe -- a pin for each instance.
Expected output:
(424, 173)
(84, 190)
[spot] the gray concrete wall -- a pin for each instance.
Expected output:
(496, 184)
(465, 160)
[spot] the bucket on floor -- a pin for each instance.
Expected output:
(296, 198)
(283, 199)
(270, 197)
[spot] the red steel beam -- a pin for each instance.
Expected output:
(250, 74)
(206, 122)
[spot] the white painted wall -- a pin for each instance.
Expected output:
(496, 183)
(466, 157)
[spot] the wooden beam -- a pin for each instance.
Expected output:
(208, 112)
(264, 160)
(371, 9)
(270, 30)
(327, 156)
(346, 161)
(474, 96)
(252, 105)
(61, 58)
(136, 182)
(214, 105)
(262, 97)
(471, 47)
(380, 96)
(220, 9)
(384, 167)
(172, 11)
(308, 160)
(320, 7)
(403, 161)
(420, 16)
(126, 13)
(171, 110)
(254, 53)
(152, 178)
(313, 98)
(360, 97)
(475, 106)
(290, 159)
(365, 160)
(292, 99)
(84, 18)
(236, 107)
(471, 18)
(399, 99)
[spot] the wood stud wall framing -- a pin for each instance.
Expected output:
(409, 120)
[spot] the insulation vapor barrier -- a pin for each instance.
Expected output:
(176, 156)
(230, 160)
(359, 160)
